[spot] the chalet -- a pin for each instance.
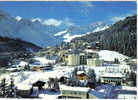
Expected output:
(81, 75)
(41, 67)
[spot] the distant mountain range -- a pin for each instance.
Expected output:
(40, 34)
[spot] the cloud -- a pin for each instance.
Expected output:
(57, 23)
(52, 21)
(36, 19)
(18, 18)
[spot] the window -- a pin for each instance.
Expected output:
(79, 93)
(75, 93)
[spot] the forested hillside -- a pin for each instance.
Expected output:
(121, 37)
(12, 48)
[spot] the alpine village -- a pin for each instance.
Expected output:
(98, 65)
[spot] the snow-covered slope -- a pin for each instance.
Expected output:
(60, 33)
(110, 55)
(100, 28)
(78, 31)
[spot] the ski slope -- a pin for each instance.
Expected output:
(107, 55)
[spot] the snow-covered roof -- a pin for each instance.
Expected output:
(80, 72)
(23, 86)
(91, 51)
(129, 88)
(43, 60)
(69, 88)
(11, 69)
(113, 75)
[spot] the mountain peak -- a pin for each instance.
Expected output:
(97, 24)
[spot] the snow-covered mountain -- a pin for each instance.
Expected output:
(78, 31)
(40, 34)
(34, 32)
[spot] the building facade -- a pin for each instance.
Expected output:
(73, 60)
(84, 58)
(113, 78)
(74, 92)
(94, 62)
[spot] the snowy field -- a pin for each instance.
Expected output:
(29, 77)
(26, 78)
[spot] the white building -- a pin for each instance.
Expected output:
(73, 59)
(74, 92)
(94, 62)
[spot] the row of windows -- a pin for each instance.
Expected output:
(73, 92)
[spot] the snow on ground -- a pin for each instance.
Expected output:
(110, 55)
(46, 94)
(100, 29)
(60, 33)
(43, 60)
(30, 77)
(27, 78)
